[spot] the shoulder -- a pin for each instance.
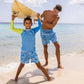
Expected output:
(46, 11)
(58, 17)
(23, 30)
(32, 30)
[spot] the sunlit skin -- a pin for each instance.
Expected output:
(28, 24)
(56, 11)
(50, 19)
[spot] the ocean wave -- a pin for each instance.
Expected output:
(5, 68)
(11, 44)
(8, 67)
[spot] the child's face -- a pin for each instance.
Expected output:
(28, 24)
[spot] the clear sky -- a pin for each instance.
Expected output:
(73, 10)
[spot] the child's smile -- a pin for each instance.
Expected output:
(28, 24)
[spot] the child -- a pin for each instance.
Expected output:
(28, 50)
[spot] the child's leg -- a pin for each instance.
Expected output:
(46, 54)
(57, 46)
(43, 70)
(19, 70)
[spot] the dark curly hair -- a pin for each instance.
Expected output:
(27, 18)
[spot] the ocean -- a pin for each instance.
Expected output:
(70, 38)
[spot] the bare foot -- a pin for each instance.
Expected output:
(16, 79)
(50, 78)
(45, 64)
(60, 67)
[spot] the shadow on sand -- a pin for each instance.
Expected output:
(25, 80)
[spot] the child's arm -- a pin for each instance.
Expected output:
(39, 24)
(13, 28)
(43, 14)
(37, 20)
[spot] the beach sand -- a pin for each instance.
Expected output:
(73, 72)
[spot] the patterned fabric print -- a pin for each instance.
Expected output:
(47, 36)
(26, 56)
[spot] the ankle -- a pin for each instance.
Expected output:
(49, 78)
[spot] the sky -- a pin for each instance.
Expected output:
(72, 10)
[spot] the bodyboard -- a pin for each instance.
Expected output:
(22, 11)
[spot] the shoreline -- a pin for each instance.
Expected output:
(16, 57)
(57, 24)
(16, 60)
(71, 74)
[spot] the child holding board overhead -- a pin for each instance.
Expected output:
(28, 50)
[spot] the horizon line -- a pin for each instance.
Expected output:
(58, 23)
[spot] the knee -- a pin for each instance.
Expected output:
(39, 67)
(57, 46)
(22, 65)
(45, 47)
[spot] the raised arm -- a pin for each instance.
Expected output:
(19, 31)
(50, 26)
(39, 24)
(43, 14)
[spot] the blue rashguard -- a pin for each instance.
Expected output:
(28, 38)
(28, 50)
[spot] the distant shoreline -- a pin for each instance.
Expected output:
(8, 23)
(58, 23)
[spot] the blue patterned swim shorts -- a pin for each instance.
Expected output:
(26, 56)
(47, 36)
